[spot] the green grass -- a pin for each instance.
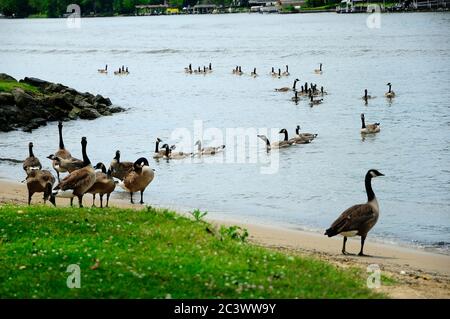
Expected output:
(8, 86)
(152, 254)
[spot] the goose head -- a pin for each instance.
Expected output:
(374, 173)
(101, 166)
(117, 157)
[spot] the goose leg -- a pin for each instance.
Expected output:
(142, 197)
(101, 200)
(71, 201)
(107, 199)
(57, 174)
(29, 197)
(80, 201)
(93, 200)
(131, 196)
(343, 246)
(363, 239)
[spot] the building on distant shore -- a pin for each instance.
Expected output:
(151, 9)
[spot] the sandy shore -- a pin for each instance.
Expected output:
(417, 274)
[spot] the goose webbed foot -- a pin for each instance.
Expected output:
(361, 254)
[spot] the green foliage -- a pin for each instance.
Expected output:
(234, 232)
(150, 253)
(198, 215)
(8, 86)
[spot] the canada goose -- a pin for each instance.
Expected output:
(120, 169)
(69, 165)
(319, 70)
(277, 144)
(304, 135)
(126, 71)
(104, 184)
(210, 150)
(138, 178)
(118, 72)
(322, 91)
(279, 74)
(358, 220)
(188, 69)
(286, 139)
(204, 70)
(286, 73)
(31, 163)
(313, 102)
(273, 73)
(239, 71)
(366, 96)
(368, 128)
(158, 153)
(197, 71)
(105, 70)
(209, 68)
(286, 89)
(61, 153)
(78, 182)
(295, 98)
(253, 73)
(390, 94)
(40, 181)
(169, 154)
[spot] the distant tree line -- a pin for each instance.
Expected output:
(57, 8)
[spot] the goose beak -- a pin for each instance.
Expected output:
(381, 174)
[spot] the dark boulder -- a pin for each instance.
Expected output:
(101, 100)
(6, 98)
(89, 114)
(6, 77)
(116, 109)
(23, 99)
(36, 82)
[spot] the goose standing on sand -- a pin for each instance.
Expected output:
(120, 169)
(104, 184)
(77, 183)
(358, 220)
(390, 94)
(319, 70)
(210, 150)
(60, 153)
(286, 89)
(105, 70)
(138, 178)
(31, 163)
(369, 128)
(286, 73)
(40, 181)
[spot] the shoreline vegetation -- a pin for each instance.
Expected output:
(106, 8)
(147, 249)
(31, 103)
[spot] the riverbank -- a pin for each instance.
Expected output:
(413, 273)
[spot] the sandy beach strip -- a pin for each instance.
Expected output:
(417, 273)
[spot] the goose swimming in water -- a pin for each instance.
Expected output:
(369, 128)
(366, 97)
(253, 73)
(313, 102)
(319, 70)
(286, 89)
(390, 94)
(105, 70)
(358, 220)
(286, 73)
(210, 150)
(188, 69)
(278, 144)
(295, 98)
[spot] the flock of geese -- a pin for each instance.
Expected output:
(83, 178)
(121, 71)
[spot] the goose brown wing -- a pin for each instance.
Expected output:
(74, 179)
(352, 218)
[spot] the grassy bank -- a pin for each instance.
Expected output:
(152, 254)
(8, 86)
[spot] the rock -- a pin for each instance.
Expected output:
(116, 109)
(58, 100)
(22, 99)
(6, 98)
(89, 114)
(6, 77)
(55, 88)
(84, 104)
(73, 115)
(34, 124)
(101, 100)
(36, 82)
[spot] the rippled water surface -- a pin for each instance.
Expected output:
(315, 182)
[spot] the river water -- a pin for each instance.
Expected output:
(303, 187)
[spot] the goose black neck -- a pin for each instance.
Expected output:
(320, 66)
(61, 142)
(285, 135)
(363, 122)
(157, 146)
(389, 88)
(30, 150)
(295, 83)
(369, 190)
(365, 94)
(103, 168)
(86, 160)
(141, 160)
(297, 130)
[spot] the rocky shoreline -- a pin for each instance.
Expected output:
(32, 102)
